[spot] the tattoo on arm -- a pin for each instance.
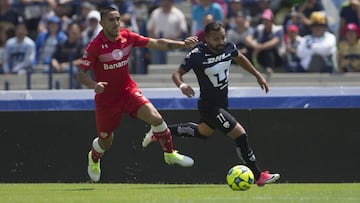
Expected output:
(171, 45)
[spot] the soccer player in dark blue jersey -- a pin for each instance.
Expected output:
(211, 61)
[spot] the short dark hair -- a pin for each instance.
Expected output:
(105, 10)
(213, 26)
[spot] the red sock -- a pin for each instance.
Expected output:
(165, 140)
(95, 155)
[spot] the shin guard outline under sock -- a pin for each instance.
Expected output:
(247, 155)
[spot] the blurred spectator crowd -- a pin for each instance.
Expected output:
(276, 35)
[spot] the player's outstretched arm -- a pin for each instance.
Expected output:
(187, 90)
(167, 44)
(242, 61)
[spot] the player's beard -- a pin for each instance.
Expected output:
(220, 48)
(217, 49)
(115, 32)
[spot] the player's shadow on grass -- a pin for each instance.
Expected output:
(171, 187)
(78, 189)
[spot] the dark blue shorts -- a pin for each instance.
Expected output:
(216, 117)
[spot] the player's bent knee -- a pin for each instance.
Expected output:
(155, 121)
(154, 118)
(205, 130)
(237, 131)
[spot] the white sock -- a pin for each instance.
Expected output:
(160, 128)
(96, 146)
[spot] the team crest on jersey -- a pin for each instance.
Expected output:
(117, 54)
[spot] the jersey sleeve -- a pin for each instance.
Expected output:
(187, 61)
(233, 50)
(89, 57)
(138, 40)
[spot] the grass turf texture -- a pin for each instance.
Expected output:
(167, 193)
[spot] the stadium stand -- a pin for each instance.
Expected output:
(160, 76)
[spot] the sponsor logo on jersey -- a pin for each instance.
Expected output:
(104, 46)
(217, 58)
(115, 65)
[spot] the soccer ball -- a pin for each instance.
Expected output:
(240, 177)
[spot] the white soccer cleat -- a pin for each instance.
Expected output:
(149, 137)
(176, 158)
(94, 170)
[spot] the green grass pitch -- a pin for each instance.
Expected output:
(168, 193)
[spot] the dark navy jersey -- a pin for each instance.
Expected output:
(212, 72)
